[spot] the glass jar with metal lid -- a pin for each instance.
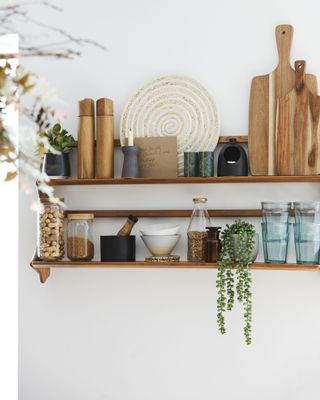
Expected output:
(197, 232)
(80, 242)
(50, 230)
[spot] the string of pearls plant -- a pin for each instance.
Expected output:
(234, 274)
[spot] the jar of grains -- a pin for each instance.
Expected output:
(50, 230)
(80, 244)
(197, 233)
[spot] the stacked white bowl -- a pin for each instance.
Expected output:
(160, 239)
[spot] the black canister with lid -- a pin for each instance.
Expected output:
(213, 243)
(233, 160)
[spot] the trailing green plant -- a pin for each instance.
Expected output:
(59, 139)
(234, 274)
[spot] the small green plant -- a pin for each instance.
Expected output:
(234, 275)
(59, 138)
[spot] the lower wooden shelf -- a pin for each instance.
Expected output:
(44, 267)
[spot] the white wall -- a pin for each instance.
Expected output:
(152, 334)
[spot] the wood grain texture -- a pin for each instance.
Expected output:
(104, 139)
(44, 267)
(166, 213)
(86, 139)
(298, 129)
(185, 180)
(264, 94)
(181, 264)
(222, 140)
(105, 147)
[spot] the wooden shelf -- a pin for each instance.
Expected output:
(186, 180)
(222, 139)
(44, 267)
(166, 213)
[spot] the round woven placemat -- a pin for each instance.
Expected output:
(173, 106)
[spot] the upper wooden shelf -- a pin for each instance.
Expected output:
(184, 180)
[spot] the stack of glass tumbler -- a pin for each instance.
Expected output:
(276, 231)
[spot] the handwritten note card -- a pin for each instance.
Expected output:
(158, 157)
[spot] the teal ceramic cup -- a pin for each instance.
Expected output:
(206, 161)
(191, 163)
(275, 239)
(307, 243)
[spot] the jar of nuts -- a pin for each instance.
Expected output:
(50, 230)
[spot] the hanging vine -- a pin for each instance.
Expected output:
(234, 275)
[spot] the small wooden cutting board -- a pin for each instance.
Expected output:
(265, 91)
(298, 129)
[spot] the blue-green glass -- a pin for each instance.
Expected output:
(307, 243)
(206, 163)
(307, 212)
(275, 239)
(191, 163)
(275, 212)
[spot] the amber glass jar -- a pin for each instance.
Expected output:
(50, 230)
(80, 244)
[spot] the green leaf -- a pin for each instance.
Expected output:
(56, 128)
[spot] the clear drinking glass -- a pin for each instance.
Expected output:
(275, 241)
(307, 212)
(307, 243)
(275, 212)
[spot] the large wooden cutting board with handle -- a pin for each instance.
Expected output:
(265, 91)
(298, 129)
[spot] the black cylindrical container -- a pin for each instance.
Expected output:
(232, 160)
(118, 248)
(56, 165)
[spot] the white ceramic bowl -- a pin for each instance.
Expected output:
(160, 246)
(160, 229)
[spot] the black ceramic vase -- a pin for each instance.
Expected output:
(56, 165)
(232, 160)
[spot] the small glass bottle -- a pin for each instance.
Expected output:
(213, 243)
(50, 230)
(197, 233)
(80, 243)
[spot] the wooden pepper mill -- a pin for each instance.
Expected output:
(105, 137)
(86, 139)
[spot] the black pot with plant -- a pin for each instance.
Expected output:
(57, 165)
(234, 274)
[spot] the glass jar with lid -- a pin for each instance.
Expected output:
(50, 230)
(80, 242)
(197, 232)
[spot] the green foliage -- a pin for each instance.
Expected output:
(234, 275)
(59, 138)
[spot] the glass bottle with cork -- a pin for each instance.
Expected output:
(197, 231)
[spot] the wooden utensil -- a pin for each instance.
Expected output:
(265, 91)
(298, 129)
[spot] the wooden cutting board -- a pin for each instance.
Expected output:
(298, 129)
(265, 91)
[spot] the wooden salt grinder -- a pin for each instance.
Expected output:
(86, 139)
(105, 137)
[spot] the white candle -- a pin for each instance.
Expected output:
(130, 138)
